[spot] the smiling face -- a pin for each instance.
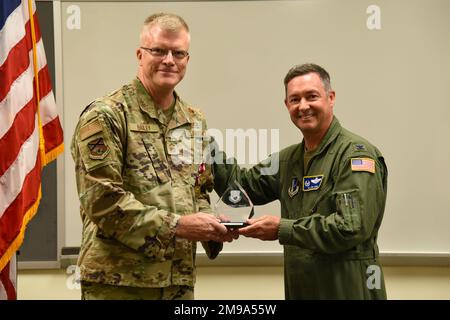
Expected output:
(310, 106)
(162, 72)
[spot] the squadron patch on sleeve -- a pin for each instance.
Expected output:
(98, 149)
(363, 164)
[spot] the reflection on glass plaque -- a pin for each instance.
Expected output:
(234, 207)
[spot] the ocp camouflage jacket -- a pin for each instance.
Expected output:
(136, 177)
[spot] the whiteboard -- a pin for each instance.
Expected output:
(390, 69)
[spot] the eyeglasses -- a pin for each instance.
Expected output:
(162, 53)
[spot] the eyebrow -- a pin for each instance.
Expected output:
(296, 94)
(312, 91)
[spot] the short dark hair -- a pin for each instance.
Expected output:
(300, 70)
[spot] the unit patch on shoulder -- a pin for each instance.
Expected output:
(311, 183)
(97, 149)
(363, 164)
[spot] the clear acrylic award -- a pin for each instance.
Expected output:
(234, 207)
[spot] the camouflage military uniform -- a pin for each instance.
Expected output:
(136, 176)
(100, 291)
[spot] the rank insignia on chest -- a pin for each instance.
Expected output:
(311, 183)
(293, 189)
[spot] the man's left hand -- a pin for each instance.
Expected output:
(264, 228)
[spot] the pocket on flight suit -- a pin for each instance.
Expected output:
(349, 210)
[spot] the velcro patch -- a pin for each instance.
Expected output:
(311, 183)
(98, 149)
(363, 164)
(144, 127)
(89, 129)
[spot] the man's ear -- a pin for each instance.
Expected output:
(139, 54)
(332, 97)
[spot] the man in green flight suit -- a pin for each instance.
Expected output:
(332, 189)
(141, 180)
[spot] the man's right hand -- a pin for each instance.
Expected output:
(203, 227)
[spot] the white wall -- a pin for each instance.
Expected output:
(391, 87)
(251, 282)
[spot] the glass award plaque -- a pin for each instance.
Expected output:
(234, 207)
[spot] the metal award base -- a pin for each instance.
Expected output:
(234, 207)
(234, 225)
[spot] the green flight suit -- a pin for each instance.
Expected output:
(137, 173)
(330, 213)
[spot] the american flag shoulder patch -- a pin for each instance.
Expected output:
(363, 164)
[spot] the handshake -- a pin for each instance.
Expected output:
(206, 227)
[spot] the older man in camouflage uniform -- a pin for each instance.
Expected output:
(141, 180)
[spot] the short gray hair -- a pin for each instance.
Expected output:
(167, 21)
(300, 70)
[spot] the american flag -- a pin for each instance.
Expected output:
(30, 131)
(363, 164)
